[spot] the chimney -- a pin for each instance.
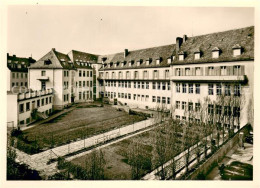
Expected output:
(53, 49)
(178, 44)
(184, 38)
(14, 56)
(125, 53)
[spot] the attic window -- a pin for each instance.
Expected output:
(215, 52)
(197, 54)
(169, 60)
(148, 61)
(138, 63)
(129, 64)
(124, 63)
(47, 62)
(158, 61)
(181, 56)
(236, 50)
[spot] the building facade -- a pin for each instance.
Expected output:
(184, 76)
(17, 72)
(70, 75)
(25, 108)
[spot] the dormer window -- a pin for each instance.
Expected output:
(111, 64)
(169, 60)
(158, 61)
(236, 50)
(181, 56)
(197, 54)
(138, 63)
(124, 63)
(215, 52)
(129, 64)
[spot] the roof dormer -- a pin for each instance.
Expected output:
(197, 54)
(181, 55)
(237, 50)
(215, 52)
(158, 60)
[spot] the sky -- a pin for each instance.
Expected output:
(35, 29)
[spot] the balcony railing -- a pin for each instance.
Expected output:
(33, 94)
(43, 78)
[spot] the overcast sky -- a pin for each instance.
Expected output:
(106, 29)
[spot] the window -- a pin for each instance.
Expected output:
(25, 84)
(43, 73)
(138, 85)
(80, 94)
(38, 103)
(154, 85)
(80, 73)
(237, 70)
(190, 106)
(211, 71)
(198, 71)
(25, 75)
(158, 99)
(21, 108)
(177, 104)
(127, 75)
(21, 75)
(210, 108)
(197, 88)
(13, 75)
(87, 73)
(183, 118)
(50, 99)
(167, 73)
(27, 106)
(163, 100)
(155, 74)
(178, 72)
(168, 100)
(17, 75)
(183, 105)
(190, 88)
(13, 84)
(211, 87)
(142, 85)
(237, 90)
(84, 73)
(157, 61)
(227, 110)
(146, 98)
(218, 89)
(47, 101)
(154, 99)
(90, 73)
(223, 70)
(184, 88)
(147, 85)
(236, 111)
(134, 84)
(129, 96)
(158, 85)
(227, 90)
(187, 72)
(178, 117)
(197, 107)
(163, 86)
(178, 87)
(90, 83)
(129, 84)
(197, 55)
(169, 85)
(43, 85)
(79, 83)
(218, 109)
(215, 54)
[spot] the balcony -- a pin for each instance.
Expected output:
(232, 78)
(43, 78)
(33, 94)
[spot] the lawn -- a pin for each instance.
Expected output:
(77, 124)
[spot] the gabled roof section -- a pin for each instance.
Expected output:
(50, 56)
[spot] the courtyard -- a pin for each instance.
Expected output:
(77, 124)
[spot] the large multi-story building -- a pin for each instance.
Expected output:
(183, 75)
(180, 77)
(70, 75)
(17, 72)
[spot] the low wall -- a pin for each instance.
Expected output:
(217, 156)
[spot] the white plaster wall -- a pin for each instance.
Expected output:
(12, 109)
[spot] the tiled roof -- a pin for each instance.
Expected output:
(19, 64)
(81, 59)
(152, 54)
(224, 41)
